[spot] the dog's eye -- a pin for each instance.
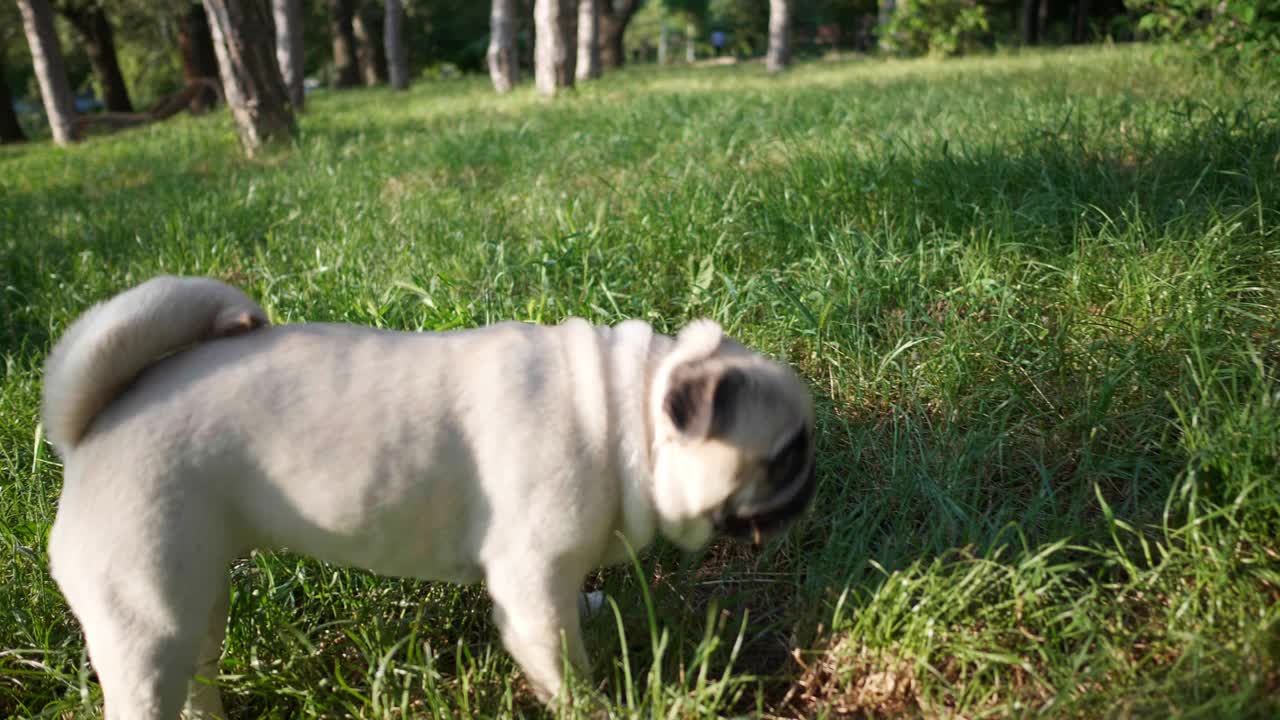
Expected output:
(791, 459)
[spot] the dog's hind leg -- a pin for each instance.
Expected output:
(144, 659)
(144, 588)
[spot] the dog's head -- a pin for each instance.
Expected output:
(733, 440)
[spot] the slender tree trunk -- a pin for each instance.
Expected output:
(664, 43)
(1080, 29)
(555, 30)
(287, 15)
(613, 26)
(397, 53)
(199, 60)
(250, 75)
(94, 29)
(10, 128)
(568, 26)
(779, 55)
(367, 29)
(504, 68)
(345, 71)
(690, 50)
(588, 39)
(886, 8)
(1031, 22)
(51, 73)
(612, 52)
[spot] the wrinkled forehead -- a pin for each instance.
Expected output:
(771, 406)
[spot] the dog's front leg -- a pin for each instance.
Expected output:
(534, 607)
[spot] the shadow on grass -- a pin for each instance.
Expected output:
(1028, 456)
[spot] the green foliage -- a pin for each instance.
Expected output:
(153, 71)
(1226, 32)
(934, 27)
(746, 21)
(446, 31)
(1037, 298)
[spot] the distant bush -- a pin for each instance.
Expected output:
(934, 27)
(1228, 32)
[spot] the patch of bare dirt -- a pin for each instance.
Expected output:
(847, 683)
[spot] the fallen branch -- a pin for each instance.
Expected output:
(162, 109)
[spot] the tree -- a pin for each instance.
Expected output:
(250, 75)
(779, 55)
(397, 54)
(51, 72)
(345, 71)
(1031, 22)
(588, 65)
(1080, 22)
(94, 28)
(369, 56)
(504, 69)
(614, 17)
(664, 41)
(199, 60)
(555, 28)
(287, 15)
(885, 16)
(10, 128)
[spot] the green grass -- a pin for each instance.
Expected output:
(1036, 297)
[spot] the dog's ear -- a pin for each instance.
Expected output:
(701, 398)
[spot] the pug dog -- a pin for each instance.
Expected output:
(192, 431)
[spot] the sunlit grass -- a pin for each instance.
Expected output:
(1036, 297)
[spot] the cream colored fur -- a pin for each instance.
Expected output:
(517, 454)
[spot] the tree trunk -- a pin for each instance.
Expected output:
(51, 73)
(1031, 22)
(287, 15)
(588, 39)
(250, 75)
(10, 128)
(345, 71)
(368, 32)
(690, 50)
(664, 42)
(397, 53)
(94, 29)
(504, 68)
(779, 55)
(555, 27)
(886, 10)
(613, 26)
(199, 60)
(1080, 29)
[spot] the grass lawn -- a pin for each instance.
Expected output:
(1037, 298)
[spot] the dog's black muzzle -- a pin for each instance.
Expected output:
(765, 523)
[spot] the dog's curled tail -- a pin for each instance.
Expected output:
(114, 341)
